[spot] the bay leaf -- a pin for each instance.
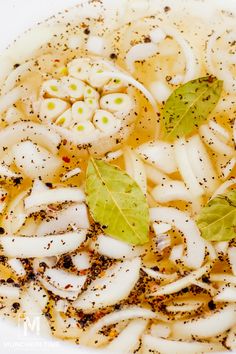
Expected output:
(117, 203)
(189, 106)
(217, 220)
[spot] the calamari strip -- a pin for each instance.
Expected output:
(10, 98)
(208, 326)
(185, 168)
(108, 289)
(114, 317)
(128, 340)
(34, 132)
(182, 282)
(116, 249)
(57, 195)
(188, 228)
(46, 246)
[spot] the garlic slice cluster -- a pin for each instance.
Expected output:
(85, 106)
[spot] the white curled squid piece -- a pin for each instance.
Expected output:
(81, 112)
(33, 160)
(52, 108)
(160, 154)
(73, 87)
(106, 121)
(115, 249)
(81, 261)
(53, 88)
(65, 119)
(64, 280)
(13, 115)
(108, 289)
(75, 216)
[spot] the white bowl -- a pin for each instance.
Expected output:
(16, 16)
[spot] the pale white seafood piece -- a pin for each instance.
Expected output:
(31, 158)
(96, 44)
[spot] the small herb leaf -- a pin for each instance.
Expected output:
(116, 202)
(190, 105)
(217, 220)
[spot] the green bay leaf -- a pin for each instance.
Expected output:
(189, 106)
(217, 220)
(117, 203)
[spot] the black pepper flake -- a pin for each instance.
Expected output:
(211, 305)
(205, 280)
(113, 56)
(147, 40)
(10, 281)
(87, 31)
(17, 181)
(15, 306)
(15, 66)
(167, 8)
(2, 231)
(49, 184)
(67, 262)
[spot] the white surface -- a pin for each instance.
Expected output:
(24, 14)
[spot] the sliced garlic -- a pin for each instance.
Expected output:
(83, 128)
(117, 102)
(114, 85)
(53, 88)
(92, 103)
(106, 122)
(81, 112)
(74, 87)
(95, 78)
(51, 108)
(65, 119)
(80, 68)
(90, 92)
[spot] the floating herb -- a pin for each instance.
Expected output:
(190, 105)
(217, 220)
(116, 202)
